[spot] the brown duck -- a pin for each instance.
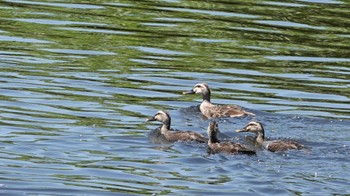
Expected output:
(172, 135)
(273, 146)
(210, 110)
(215, 146)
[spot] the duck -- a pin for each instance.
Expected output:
(172, 135)
(273, 146)
(210, 110)
(215, 146)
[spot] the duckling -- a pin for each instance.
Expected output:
(273, 146)
(210, 110)
(172, 135)
(215, 146)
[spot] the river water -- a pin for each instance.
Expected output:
(78, 80)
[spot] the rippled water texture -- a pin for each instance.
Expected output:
(77, 82)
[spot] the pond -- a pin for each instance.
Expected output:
(78, 81)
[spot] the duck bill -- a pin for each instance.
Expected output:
(150, 119)
(188, 92)
(244, 129)
(241, 130)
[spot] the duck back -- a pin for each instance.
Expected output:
(216, 111)
(174, 136)
(230, 148)
(278, 145)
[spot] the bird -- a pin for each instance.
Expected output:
(210, 110)
(215, 146)
(273, 146)
(172, 135)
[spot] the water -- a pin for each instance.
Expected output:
(77, 82)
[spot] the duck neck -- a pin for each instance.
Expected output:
(166, 125)
(213, 138)
(206, 96)
(261, 137)
(164, 129)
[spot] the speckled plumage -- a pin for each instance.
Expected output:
(172, 135)
(273, 146)
(215, 146)
(210, 110)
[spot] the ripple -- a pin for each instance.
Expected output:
(28, 59)
(142, 93)
(81, 52)
(176, 19)
(310, 59)
(288, 24)
(236, 60)
(284, 4)
(119, 4)
(322, 1)
(158, 50)
(158, 24)
(65, 5)
(256, 29)
(143, 61)
(96, 30)
(23, 39)
(56, 22)
(205, 40)
(209, 12)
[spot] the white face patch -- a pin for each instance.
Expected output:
(161, 116)
(199, 88)
(161, 113)
(254, 126)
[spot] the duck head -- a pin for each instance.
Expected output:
(162, 117)
(213, 130)
(254, 127)
(200, 88)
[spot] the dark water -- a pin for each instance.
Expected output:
(78, 80)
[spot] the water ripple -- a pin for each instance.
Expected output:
(65, 5)
(209, 12)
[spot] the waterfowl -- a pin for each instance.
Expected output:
(215, 146)
(210, 110)
(170, 134)
(273, 146)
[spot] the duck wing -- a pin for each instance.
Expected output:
(230, 148)
(279, 145)
(228, 111)
(185, 136)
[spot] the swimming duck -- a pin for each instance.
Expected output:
(210, 110)
(273, 146)
(215, 146)
(172, 135)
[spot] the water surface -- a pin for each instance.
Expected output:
(78, 80)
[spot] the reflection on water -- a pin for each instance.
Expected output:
(77, 81)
